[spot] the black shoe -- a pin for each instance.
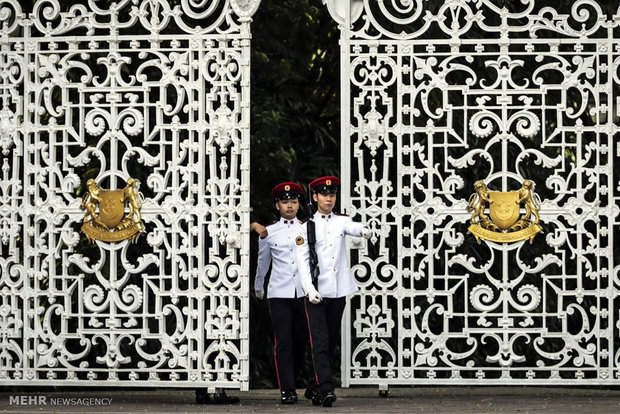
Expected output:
(328, 398)
(314, 396)
(288, 397)
(203, 397)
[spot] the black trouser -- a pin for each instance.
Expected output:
(290, 332)
(324, 320)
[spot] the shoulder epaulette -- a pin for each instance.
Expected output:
(341, 215)
(271, 224)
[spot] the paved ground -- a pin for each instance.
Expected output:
(354, 400)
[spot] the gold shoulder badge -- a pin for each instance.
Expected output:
(504, 223)
(112, 223)
(299, 240)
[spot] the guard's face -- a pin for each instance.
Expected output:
(288, 208)
(325, 202)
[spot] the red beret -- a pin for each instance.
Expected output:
(325, 185)
(286, 191)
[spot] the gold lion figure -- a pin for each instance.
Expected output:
(527, 196)
(477, 203)
(89, 203)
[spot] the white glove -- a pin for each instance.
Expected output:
(259, 293)
(366, 233)
(314, 297)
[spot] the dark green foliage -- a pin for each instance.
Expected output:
(295, 97)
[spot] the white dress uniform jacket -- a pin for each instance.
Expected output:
(279, 249)
(335, 279)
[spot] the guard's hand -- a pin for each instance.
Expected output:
(366, 233)
(259, 293)
(260, 229)
(314, 297)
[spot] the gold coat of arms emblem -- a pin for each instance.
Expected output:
(119, 215)
(505, 223)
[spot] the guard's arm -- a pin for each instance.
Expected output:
(303, 261)
(264, 259)
(259, 228)
(352, 228)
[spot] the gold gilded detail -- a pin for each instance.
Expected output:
(112, 223)
(504, 210)
(503, 223)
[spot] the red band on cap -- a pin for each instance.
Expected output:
(285, 187)
(328, 180)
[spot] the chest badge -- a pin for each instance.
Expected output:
(299, 240)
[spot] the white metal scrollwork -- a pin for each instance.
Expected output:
(151, 89)
(433, 92)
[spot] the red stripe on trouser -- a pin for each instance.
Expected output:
(316, 377)
(275, 347)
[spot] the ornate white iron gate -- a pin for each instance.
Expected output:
(109, 91)
(436, 95)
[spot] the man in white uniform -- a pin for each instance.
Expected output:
(285, 294)
(326, 295)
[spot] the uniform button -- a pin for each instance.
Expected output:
(291, 249)
(293, 262)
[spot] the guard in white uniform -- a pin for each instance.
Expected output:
(326, 299)
(285, 293)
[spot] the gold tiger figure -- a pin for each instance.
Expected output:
(130, 193)
(526, 195)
